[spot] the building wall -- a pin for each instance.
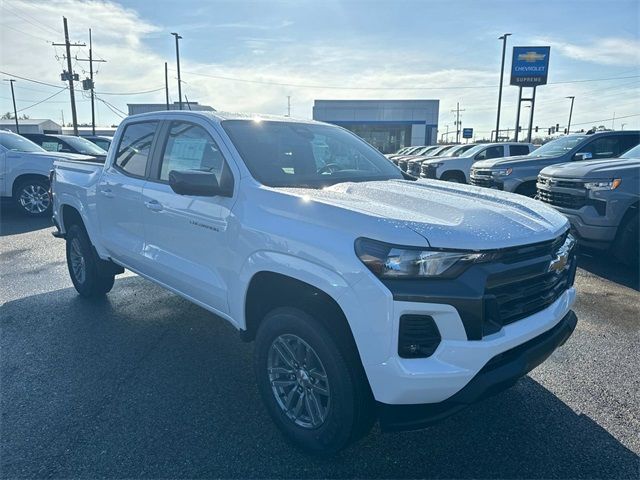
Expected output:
(386, 124)
(31, 126)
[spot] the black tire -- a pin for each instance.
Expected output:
(626, 247)
(32, 197)
(87, 277)
(349, 412)
(454, 177)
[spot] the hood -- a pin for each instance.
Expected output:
(520, 160)
(603, 168)
(447, 215)
(444, 159)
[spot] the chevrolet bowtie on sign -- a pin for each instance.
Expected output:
(529, 66)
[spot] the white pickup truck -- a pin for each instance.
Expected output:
(369, 295)
(24, 173)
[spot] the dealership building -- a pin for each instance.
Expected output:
(388, 125)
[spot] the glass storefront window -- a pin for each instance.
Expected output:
(388, 138)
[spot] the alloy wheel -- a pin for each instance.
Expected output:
(34, 198)
(298, 381)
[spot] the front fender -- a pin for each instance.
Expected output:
(367, 305)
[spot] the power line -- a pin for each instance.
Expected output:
(101, 93)
(42, 101)
(37, 23)
(337, 87)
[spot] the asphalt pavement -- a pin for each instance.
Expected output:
(144, 384)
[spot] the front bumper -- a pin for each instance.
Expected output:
(594, 236)
(500, 372)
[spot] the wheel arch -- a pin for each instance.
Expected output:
(456, 173)
(23, 177)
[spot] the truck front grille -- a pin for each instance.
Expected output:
(521, 292)
(482, 181)
(561, 199)
(427, 171)
(403, 165)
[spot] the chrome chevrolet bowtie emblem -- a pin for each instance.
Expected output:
(562, 256)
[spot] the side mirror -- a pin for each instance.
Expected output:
(578, 157)
(194, 182)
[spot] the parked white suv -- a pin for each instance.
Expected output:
(24, 173)
(368, 295)
(458, 169)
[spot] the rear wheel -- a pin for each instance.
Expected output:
(627, 243)
(32, 197)
(84, 265)
(315, 397)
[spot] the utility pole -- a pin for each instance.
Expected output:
(288, 105)
(622, 126)
(613, 122)
(90, 83)
(15, 110)
(178, 37)
(504, 49)
(69, 75)
(457, 112)
(570, 113)
(166, 84)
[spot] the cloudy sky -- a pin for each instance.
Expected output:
(249, 55)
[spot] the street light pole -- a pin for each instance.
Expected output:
(504, 50)
(15, 111)
(178, 37)
(570, 114)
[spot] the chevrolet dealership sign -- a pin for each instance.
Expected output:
(529, 66)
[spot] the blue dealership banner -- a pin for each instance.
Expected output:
(530, 66)
(467, 133)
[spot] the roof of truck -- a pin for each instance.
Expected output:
(222, 116)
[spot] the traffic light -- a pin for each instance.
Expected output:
(566, 131)
(557, 127)
(549, 132)
(536, 129)
(519, 129)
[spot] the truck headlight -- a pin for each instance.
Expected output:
(603, 185)
(503, 172)
(434, 165)
(395, 261)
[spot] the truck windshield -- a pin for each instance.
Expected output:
(558, 147)
(16, 143)
(632, 153)
(289, 154)
(84, 146)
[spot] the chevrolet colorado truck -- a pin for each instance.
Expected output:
(601, 199)
(24, 173)
(519, 174)
(369, 294)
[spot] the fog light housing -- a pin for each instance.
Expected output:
(418, 337)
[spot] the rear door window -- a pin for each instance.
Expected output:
(519, 150)
(134, 148)
(496, 151)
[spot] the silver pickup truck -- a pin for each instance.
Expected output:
(601, 199)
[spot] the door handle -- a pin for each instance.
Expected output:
(153, 205)
(107, 192)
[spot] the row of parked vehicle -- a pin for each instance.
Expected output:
(587, 176)
(27, 159)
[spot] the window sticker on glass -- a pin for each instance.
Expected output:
(51, 146)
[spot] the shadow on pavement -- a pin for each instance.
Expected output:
(145, 384)
(604, 265)
(13, 222)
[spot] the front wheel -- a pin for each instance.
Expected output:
(32, 197)
(627, 243)
(313, 395)
(84, 266)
